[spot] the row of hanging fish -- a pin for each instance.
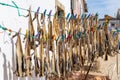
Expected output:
(67, 44)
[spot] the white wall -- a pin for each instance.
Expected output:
(117, 23)
(10, 19)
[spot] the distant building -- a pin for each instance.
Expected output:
(84, 6)
(112, 22)
(60, 8)
(118, 14)
(78, 7)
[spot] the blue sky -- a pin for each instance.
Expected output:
(103, 7)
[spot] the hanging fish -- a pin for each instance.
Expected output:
(27, 59)
(63, 59)
(19, 56)
(31, 31)
(57, 67)
(41, 58)
(36, 61)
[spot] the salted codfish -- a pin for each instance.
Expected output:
(27, 57)
(19, 56)
(30, 33)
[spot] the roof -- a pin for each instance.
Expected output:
(108, 18)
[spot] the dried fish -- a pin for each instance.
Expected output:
(31, 31)
(19, 56)
(36, 61)
(27, 57)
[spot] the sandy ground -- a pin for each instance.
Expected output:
(109, 67)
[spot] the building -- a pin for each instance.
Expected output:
(75, 7)
(78, 7)
(118, 14)
(114, 22)
(84, 6)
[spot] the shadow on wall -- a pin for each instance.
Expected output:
(10, 76)
(14, 64)
(13, 60)
(9, 69)
(5, 75)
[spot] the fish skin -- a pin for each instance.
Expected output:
(37, 67)
(30, 30)
(27, 59)
(19, 56)
(41, 58)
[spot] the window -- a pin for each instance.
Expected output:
(112, 24)
(60, 13)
